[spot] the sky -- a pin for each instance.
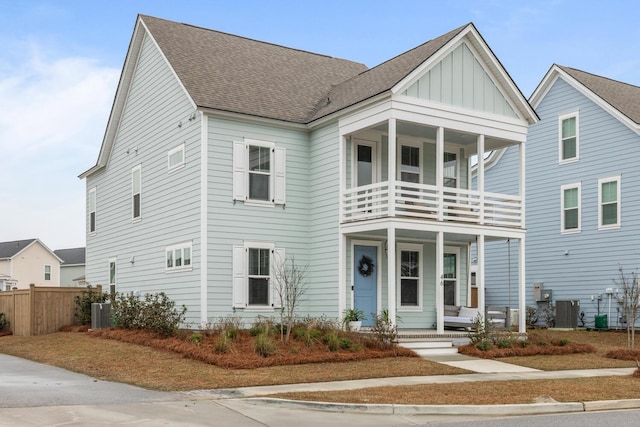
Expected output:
(60, 61)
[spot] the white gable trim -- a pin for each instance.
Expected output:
(490, 63)
(122, 93)
(555, 73)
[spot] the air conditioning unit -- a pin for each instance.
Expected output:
(567, 313)
(100, 315)
(514, 317)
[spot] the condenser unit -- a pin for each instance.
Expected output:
(100, 315)
(567, 313)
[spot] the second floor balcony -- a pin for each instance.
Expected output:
(430, 203)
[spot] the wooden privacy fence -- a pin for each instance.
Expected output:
(40, 310)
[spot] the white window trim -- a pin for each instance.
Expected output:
(458, 160)
(113, 260)
(93, 192)
(562, 208)
(45, 272)
(173, 248)
(455, 250)
(410, 247)
(240, 273)
(376, 166)
(619, 203)
(277, 174)
(417, 145)
(133, 170)
(560, 120)
(179, 148)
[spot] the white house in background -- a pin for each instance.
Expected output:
(223, 155)
(23, 262)
(72, 268)
(583, 198)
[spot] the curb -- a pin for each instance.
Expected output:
(390, 409)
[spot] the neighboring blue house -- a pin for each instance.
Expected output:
(72, 266)
(583, 198)
(224, 155)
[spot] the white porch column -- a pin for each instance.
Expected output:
(391, 274)
(440, 170)
(481, 176)
(522, 327)
(440, 282)
(522, 183)
(480, 274)
(342, 274)
(391, 167)
(342, 173)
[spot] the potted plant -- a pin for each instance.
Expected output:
(353, 318)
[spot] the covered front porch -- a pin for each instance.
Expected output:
(411, 270)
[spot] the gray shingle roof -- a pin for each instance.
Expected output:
(235, 74)
(71, 256)
(622, 96)
(231, 73)
(9, 249)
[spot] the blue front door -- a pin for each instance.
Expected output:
(365, 281)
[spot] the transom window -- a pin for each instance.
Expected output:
(175, 157)
(568, 137)
(178, 257)
(570, 207)
(609, 202)
(410, 276)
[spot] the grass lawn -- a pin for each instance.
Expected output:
(145, 366)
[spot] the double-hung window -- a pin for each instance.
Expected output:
(92, 210)
(258, 172)
(178, 257)
(568, 137)
(136, 191)
(450, 171)
(47, 272)
(255, 283)
(571, 218)
(112, 275)
(609, 202)
(175, 158)
(410, 261)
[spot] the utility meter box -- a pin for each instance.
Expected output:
(541, 294)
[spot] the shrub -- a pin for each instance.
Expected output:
(263, 325)
(196, 339)
(82, 311)
(504, 342)
(345, 343)
(484, 345)
(385, 332)
(156, 312)
(332, 341)
(264, 345)
(229, 325)
(223, 344)
(3, 321)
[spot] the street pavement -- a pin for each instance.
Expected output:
(33, 394)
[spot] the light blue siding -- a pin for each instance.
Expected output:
(155, 106)
(231, 224)
(607, 148)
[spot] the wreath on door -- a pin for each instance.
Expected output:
(366, 266)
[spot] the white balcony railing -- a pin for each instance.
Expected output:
(428, 202)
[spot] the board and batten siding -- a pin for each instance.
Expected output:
(577, 265)
(233, 223)
(155, 119)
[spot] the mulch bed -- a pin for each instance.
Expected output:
(242, 354)
(530, 350)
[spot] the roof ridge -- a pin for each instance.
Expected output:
(198, 27)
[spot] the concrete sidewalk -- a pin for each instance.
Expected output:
(484, 370)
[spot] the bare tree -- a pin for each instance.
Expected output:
(630, 299)
(290, 289)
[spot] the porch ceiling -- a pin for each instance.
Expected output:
(466, 140)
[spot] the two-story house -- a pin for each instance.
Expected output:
(26, 262)
(582, 194)
(223, 155)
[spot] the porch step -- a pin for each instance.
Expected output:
(429, 348)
